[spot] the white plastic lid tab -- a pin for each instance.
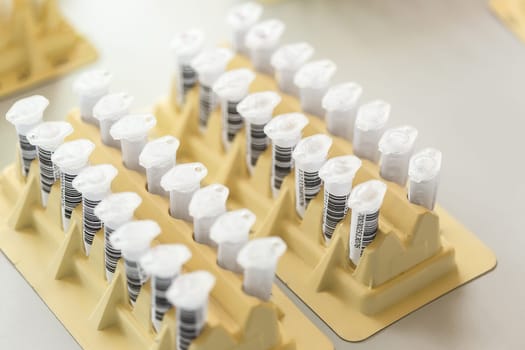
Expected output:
(396, 147)
(26, 113)
(72, 156)
(157, 157)
(134, 238)
(370, 125)
(423, 173)
(286, 61)
(313, 80)
(340, 102)
(190, 291)
(117, 208)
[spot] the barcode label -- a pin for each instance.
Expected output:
(27, 152)
(366, 229)
(307, 186)
(134, 276)
(207, 104)
(187, 80)
(334, 211)
(111, 255)
(48, 172)
(189, 326)
(256, 141)
(90, 222)
(282, 164)
(70, 196)
(160, 304)
(233, 120)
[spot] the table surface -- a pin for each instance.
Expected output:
(449, 68)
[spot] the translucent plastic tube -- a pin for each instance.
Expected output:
(423, 173)
(107, 111)
(163, 263)
(46, 137)
(90, 87)
(262, 40)
(181, 182)
(25, 114)
(240, 19)
(370, 125)
(94, 183)
(313, 80)
(396, 147)
(206, 205)
(286, 61)
(157, 157)
(340, 103)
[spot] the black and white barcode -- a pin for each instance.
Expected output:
(48, 171)
(366, 229)
(28, 153)
(334, 211)
(189, 78)
(207, 104)
(134, 278)
(189, 326)
(160, 303)
(257, 141)
(111, 254)
(70, 196)
(282, 164)
(90, 222)
(233, 120)
(308, 186)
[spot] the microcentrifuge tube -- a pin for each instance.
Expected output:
(115, 210)
(157, 157)
(230, 232)
(25, 114)
(309, 156)
(134, 239)
(286, 61)
(370, 125)
(396, 147)
(70, 158)
(132, 131)
(313, 80)
(241, 18)
(107, 111)
(46, 137)
(257, 110)
(181, 182)
(163, 264)
(90, 87)
(423, 175)
(189, 293)
(231, 87)
(259, 258)
(186, 45)
(262, 40)
(337, 174)
(209, 65)
(340, 103)
(365, 201)
(285, 131)
(94, 183)
(206, 205)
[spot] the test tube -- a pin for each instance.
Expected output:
(181, 182)
(313, 80)
(90, 87)
(157, 157)
(337, 174)
(132, 131)
(190, 293)
(285, 131)
(70, 158)
(370, 125)
(186, 45)
(365, 201)
(396, 147)
(423, 174)
(94, 183)
(230, 232)
(115, 210)
(206, 205)
(209, 65)
(133, 239)
(286, 61)
(107, 111)
(257, 110)
(163, 263)
(25, 114)
(241, 18)
(231, 88)
(46, 137)
(340, 102)
(309, 155)
(262, 40)
(259, 258)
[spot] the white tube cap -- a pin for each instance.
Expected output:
(133, 127)
(257, 108)
(342, 97)
(367, 196)
(134, 238)
(92, 83)
(232, 227)
(398, 140)
(27, 112)
(117, 208)
(316, 74)
(95, 179)
(233, 85)
(372, 115)
(184, 177)
(159, 152)
(292, 56)
(73, 154)
(190, 291)
(112, 106)
(425, 165)
(209, 201)
(165, 260)
(286, 127)
(244, 15)
(187, 44)
(265, 34)
(261, 253)
(340, 170)
(210, 64)
(49, 135)
(312, 151)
